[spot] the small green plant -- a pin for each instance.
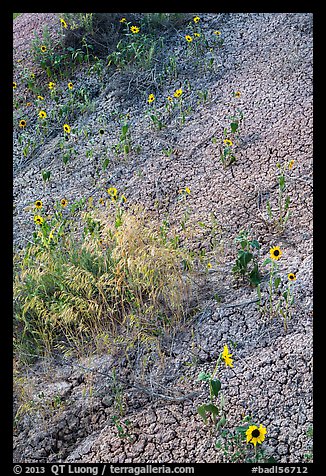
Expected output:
(214, 410)
(123, 428)
(235, 443)
(308, 457)
(246, 264)
(124, 145)
(153, 113)
(279, 216)
(46, 174)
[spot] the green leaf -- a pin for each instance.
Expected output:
(105, 164)
(244, 258)
(254, 276)
(269, 210)
(281, 181)
(221, 422)
(202, 412)
(277, 282)
(210, 408)
(267, 261)
(234, 126)
(204, 377)
(215, 386)
(255, 244)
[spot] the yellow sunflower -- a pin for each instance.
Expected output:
(70, 85)
(188, 38)
(237, 94)
(228, 142)
(196, 19)
(292, 277)
(151, 98)
(256, 435)
(64, 202)
(38, 204)
(291, 164)
(226, 356)
(134, 29)
(38, 220)
(22, 123)
(275, 253)
(43, 48)
(14, 85)
(51, 85)
(113, 192)
(177, 93)
(66, 128)
(42, 114)
(63, 23)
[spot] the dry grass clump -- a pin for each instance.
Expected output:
(120, 279)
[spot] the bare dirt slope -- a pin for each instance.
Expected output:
(268, 58)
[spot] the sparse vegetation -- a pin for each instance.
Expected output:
(104, 274)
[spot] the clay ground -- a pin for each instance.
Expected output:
(268, 58)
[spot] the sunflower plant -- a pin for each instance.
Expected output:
(243, 444)
(153, 113)
(214, 410)
(279, 215)
(124, 145)
(279, 296)
(246, 264)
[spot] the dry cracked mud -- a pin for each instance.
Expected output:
(268, 57)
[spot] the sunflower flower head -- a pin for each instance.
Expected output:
(63, 23)
(51, 85)
(228, 142)
(14, 85)
(256, 435)
(134, 29)
(226, 356)
(63, 202)
(237, 94)
(70, 86)
(151, 98)
(43, 48)
(38, 220)
(217, 33)
(292, 277)
(291, 164)
(40, 98)
(196, 19)
(123, 20)
(66, 128)
(38, 204)
(197, 35)
(22, 123)
(275, 253)
(42, 114)
(113, 192)
(188, 38)
(177, 93)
